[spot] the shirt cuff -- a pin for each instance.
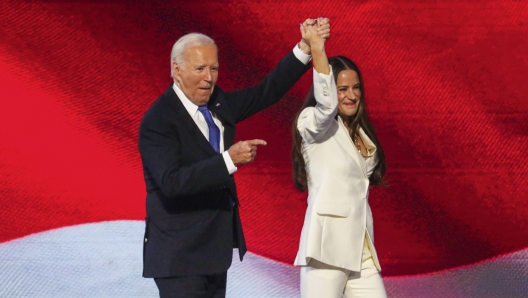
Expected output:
(304, 58)
(231, 168)
(326, 77)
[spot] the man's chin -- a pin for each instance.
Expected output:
(202, 101)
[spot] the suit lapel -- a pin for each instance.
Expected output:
(354, 153)
(185, 120)
(218, 105)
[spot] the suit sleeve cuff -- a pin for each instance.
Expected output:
(231, 168)
(304, 58)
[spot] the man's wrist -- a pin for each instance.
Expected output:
(304, 48)
(304, 58)
(231, 168)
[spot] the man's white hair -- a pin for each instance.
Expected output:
(186, 41)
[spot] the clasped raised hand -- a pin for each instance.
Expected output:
(315, 30)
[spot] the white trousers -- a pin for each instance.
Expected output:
(320, 280)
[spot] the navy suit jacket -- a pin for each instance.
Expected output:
(192, 221)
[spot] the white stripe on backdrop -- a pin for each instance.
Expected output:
(104, 260)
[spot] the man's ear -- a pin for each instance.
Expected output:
(176, 70)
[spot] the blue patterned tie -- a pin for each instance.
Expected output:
(214, 131)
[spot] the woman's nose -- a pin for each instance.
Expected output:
(357, 93)
(351, 94)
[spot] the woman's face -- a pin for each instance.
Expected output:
(348, 93)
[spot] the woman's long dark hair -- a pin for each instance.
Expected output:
(339, 63)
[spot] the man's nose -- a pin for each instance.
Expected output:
(208, 76)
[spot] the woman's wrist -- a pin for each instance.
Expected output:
(317, 47)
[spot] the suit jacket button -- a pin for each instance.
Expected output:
(145, 240)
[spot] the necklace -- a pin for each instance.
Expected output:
(356, 142)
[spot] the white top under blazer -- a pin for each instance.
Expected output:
(338, 218)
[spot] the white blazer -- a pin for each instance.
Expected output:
(338, 218)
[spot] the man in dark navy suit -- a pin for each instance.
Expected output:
(186, 141)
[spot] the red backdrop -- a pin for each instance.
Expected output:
(443, 86)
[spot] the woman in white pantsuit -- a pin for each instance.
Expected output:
(336, 156)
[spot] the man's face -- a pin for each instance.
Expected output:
(198, 74)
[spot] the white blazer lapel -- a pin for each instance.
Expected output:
(353, 152)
